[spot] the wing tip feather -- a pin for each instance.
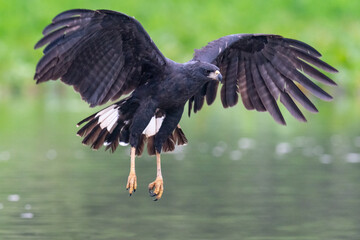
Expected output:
(328, 98)
(281, 121)
(71, 12)
(303, 45)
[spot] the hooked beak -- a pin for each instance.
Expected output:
(216, 75)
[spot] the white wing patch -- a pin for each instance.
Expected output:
(108, 117)
(153, 126)
(123, 144)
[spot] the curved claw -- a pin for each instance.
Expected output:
(151, 193)
(131, 183)
(156, 188)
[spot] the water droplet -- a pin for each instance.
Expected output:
(13, 198)
(27, 215)
(4, 156)
(325, 159)
(218, 151)
(283, 148)
(353, 158)
(246, 143)
(51, 154)
(235, 155)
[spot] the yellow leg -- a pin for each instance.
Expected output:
(156, 188)
(132, 183)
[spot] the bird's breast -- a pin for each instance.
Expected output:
(174, 93)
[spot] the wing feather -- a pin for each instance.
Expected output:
(102, 54)
(242, 89)
(72, 12)
(291, 56)
(228, 96)
(313, 72)
(190, 105)
(314, 61)
(267, 67)
(55, 35)
(198, 102)
(250, 86)
(288, 86)
(300, 45)
(287, 69)
(287, 101)
(264, 94)
(68, 22)
(269, 82)
(211, 92)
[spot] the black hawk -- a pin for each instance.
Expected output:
(105, 54)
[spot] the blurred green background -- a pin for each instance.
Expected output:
(241, 176)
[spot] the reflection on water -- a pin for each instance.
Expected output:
(353, 158)
(233, 187)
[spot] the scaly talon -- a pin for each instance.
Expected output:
(156, 188)
(131, 183)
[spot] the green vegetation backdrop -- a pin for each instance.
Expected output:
(177, 27)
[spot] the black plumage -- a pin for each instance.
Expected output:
(105, 54)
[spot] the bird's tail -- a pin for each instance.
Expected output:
(176, 138)
(111, 127)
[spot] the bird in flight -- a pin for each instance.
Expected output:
(105, 55)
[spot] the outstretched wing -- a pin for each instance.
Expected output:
(102, 53)
(263, 69)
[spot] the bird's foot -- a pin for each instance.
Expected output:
(131, 183)
(156, 188)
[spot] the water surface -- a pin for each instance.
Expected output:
(228, 183)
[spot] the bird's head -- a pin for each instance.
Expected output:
(215, 75)
(207, 71)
